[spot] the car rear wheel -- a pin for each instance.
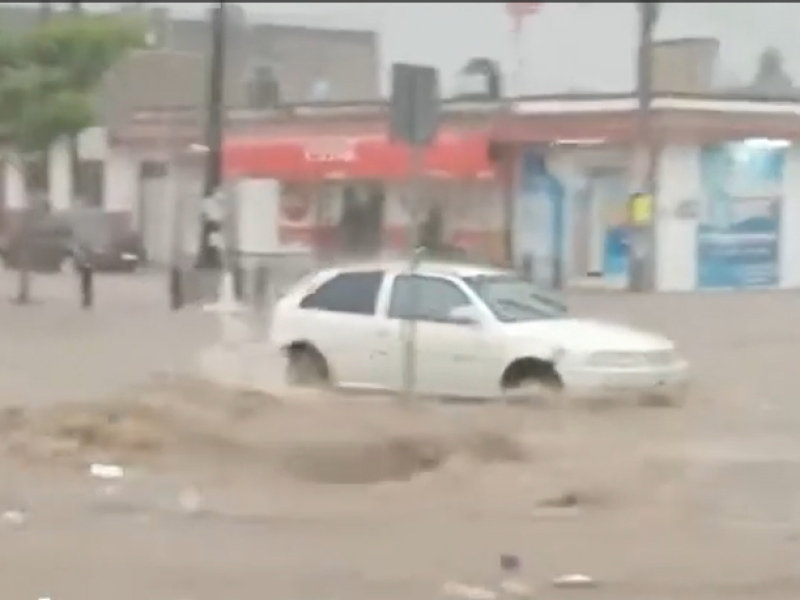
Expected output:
(306, 367)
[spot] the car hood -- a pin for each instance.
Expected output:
(587, 335)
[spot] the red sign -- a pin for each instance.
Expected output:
(519, 10)
(308, 158)
(330, 149)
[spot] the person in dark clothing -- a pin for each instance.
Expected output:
(85, 272)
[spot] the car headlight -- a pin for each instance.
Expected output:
(654, 358)
(616, 359)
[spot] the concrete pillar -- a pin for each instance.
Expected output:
(120, 181)
(60, 176)
(15, 186)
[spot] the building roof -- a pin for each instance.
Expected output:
(173, 71)
(585, 118)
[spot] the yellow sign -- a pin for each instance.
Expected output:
(640, 209)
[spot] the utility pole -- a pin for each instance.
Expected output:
(642, 243)
(209, 254)
(23, 296)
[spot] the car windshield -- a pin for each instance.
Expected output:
(512, 299)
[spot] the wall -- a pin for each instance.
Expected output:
(473, 211)
(728, 217)
(473, 214)
(568, 203)
(59, 178)
(676, 237)
(119, 181)
(144, 203)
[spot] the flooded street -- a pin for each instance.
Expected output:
(242, 496)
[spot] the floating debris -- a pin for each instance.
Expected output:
(14, 517)
(551, 513)
(564, 500)
(574, 580)
(455, 589)
(106, 471)
(510, 563)
(515, 588)
(190, 500)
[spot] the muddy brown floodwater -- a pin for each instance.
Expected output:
(236, 495)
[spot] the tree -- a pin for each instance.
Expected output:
(771, 76)
(48, 77)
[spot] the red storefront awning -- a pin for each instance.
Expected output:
(309, 157)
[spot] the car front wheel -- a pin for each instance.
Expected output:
(532, 381)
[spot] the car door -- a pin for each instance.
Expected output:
(450, 357)
(338, 317)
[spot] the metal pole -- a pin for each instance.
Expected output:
(209, 256)
(23, 262)
(409, 326)
(519, 59)
(175, 198)
(642, 234)
(76, 8)
(174, 194)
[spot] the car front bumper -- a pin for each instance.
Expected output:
(671, 380)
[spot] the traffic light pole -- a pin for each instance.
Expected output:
(209, 254)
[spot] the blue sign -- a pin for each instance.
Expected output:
(610, 189)
(738, 234)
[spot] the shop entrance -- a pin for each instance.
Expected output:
(358, 231)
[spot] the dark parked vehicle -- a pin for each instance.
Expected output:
(56, 241)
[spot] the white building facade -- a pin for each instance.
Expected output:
(724, 212)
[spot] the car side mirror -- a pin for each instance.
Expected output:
(465, 315)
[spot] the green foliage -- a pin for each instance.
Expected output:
(48, 76)
(83, 47)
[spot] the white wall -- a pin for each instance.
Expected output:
(15, 186)
(676, 238)
(790, 221)
(679, 183)
(121, 181)
(60, 176)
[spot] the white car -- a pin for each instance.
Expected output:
(477, 332)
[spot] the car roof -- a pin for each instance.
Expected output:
(429, 267)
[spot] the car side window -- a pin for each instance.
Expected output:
(422, 298)
(354, 293)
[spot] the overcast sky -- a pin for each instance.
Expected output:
(568, 46)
